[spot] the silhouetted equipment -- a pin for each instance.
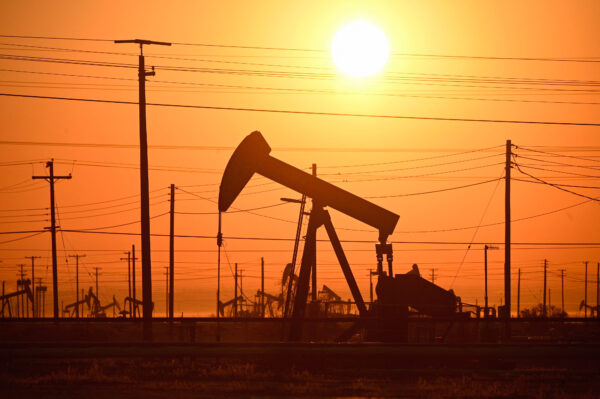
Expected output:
(396, 294)
(331, 304)
(72, 309)
(144, 187)
(388, 319)
(97, 310)
(252, 156)
(51, 179)
(593, 309)
(135, 305)
(23, 291)
(292, 265)
(264, 301)
(232, 305)
(101, 310)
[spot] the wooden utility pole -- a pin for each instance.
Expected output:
(585, 290)
(597, 291)
(167, 291)
(519, 294)
(51, 179)
(33, 304)
(314, 266)
(172, 254)
(545, 272)
(133, 259)
(262, 286)
(432, 276)
(128, 259)
(23, 299)
(235, 291)
(507, 238)
(562, 292)
(97, 292)
(77, 256)
(144, 189)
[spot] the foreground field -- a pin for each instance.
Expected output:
(298, 371)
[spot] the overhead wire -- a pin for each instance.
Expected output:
(315, 113)
(556, 186)
(307, 50)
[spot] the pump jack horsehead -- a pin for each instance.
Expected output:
(252, 156)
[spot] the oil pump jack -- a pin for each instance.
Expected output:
(388, 320)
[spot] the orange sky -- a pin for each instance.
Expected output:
(409, 86)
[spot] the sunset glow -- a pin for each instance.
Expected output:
(360, 49)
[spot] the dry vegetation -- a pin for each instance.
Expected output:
(185, 377)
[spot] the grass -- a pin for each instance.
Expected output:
(187, 377)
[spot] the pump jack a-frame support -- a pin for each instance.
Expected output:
(252, 156)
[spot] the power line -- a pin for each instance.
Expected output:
(556, 186)
(561, 185)
(308, 91)
(57, 38)
(279, 111)
(412, 167)
(544, 162)
(433, 191)
(551, 59)
(557, 155)
(561, 171)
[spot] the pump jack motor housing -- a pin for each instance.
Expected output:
(387, 319)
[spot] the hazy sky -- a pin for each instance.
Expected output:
(383, 159)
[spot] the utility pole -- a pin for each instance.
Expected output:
(128, 259)
(507, 238)
(167, 291)
(144, 189)
(33, 305)
(51, 179)
(22, 282)
(519, 294)
(36, 298)
(97, 292)
(562, 292)
(262, 286)
(235, 295)
(172, 255)
(545, 272)
(485, 257)
(133, 259)
(432, 276)
(77, 256)
(597, 292)
(585, 290)
(314, 266)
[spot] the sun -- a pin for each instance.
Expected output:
(360, 49)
